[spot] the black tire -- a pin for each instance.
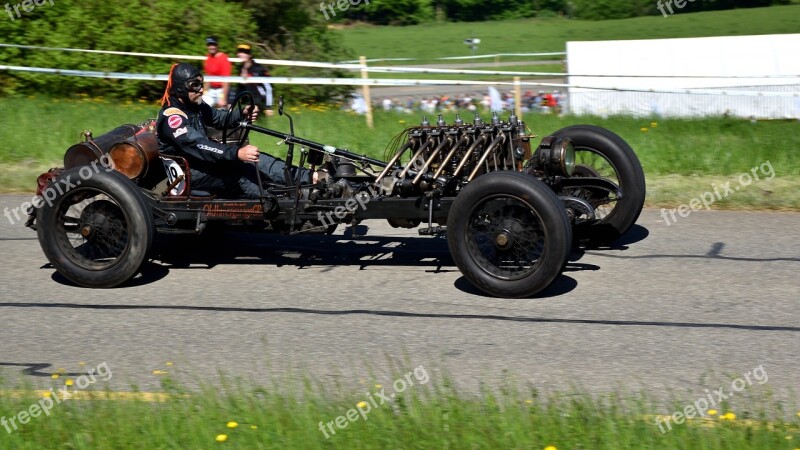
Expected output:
(98, 233)
(509, 235)
(599, 151)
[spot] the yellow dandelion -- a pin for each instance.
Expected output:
(253, 427)
(644, 129)
(378, 386)
(550, 447)
(728, 416)
(54, 376)
(46, 394)
(169, 363)
(653, 124)
(221, 438)
(401, 121)
(361, 404)
(529, 401)
(798, 414)
(232, 424)
(68, 382)
(712, 412)
(159, 372)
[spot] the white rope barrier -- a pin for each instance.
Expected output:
(380, 82)
(399, 69)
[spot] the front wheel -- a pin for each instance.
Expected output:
(508, 234)
(601, 153)
(98, 229)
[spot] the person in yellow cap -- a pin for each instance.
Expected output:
(262, 92)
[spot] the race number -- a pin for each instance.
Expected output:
(173, 172)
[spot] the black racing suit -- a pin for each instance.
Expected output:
(214, 167)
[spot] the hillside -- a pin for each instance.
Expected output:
(434, 40)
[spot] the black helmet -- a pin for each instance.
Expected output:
(183, 78)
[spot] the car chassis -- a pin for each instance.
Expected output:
(509, 213)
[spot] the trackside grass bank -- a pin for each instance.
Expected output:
(433, 40)
(434, 415)
(682, 159)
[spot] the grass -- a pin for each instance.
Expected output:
(429, 41)
(425, 415)
(681, 158)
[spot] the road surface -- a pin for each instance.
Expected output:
(669, 309)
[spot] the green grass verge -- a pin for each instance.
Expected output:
(423, 416)
(433, 40)
(682, 158)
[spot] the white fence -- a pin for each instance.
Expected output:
(746, 76)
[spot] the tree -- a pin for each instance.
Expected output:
(283, 29)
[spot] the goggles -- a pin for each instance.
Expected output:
(194, 85)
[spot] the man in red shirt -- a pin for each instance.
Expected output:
(216, 64)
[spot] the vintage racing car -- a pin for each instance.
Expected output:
(509, 211)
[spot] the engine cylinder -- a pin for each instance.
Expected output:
(93, 148)
(132, 157)
(131, 148)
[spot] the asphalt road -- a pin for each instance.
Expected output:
(669, 309)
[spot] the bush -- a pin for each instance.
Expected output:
(285, 29)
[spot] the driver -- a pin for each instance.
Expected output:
(217, 168)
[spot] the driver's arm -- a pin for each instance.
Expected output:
(189, 141)
(216, 117)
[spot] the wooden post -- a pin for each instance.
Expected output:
(365, 91)
(517, 97)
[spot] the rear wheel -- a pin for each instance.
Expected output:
(508, 234)
(98, 232)
(599, 152)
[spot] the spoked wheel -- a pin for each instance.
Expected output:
(601, 153)
(98, 233)
(508, 234)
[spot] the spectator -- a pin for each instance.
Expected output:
(262, 92)
(217, 64)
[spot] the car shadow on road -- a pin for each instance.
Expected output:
(429, 254)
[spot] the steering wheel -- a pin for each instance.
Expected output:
(239, 106)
